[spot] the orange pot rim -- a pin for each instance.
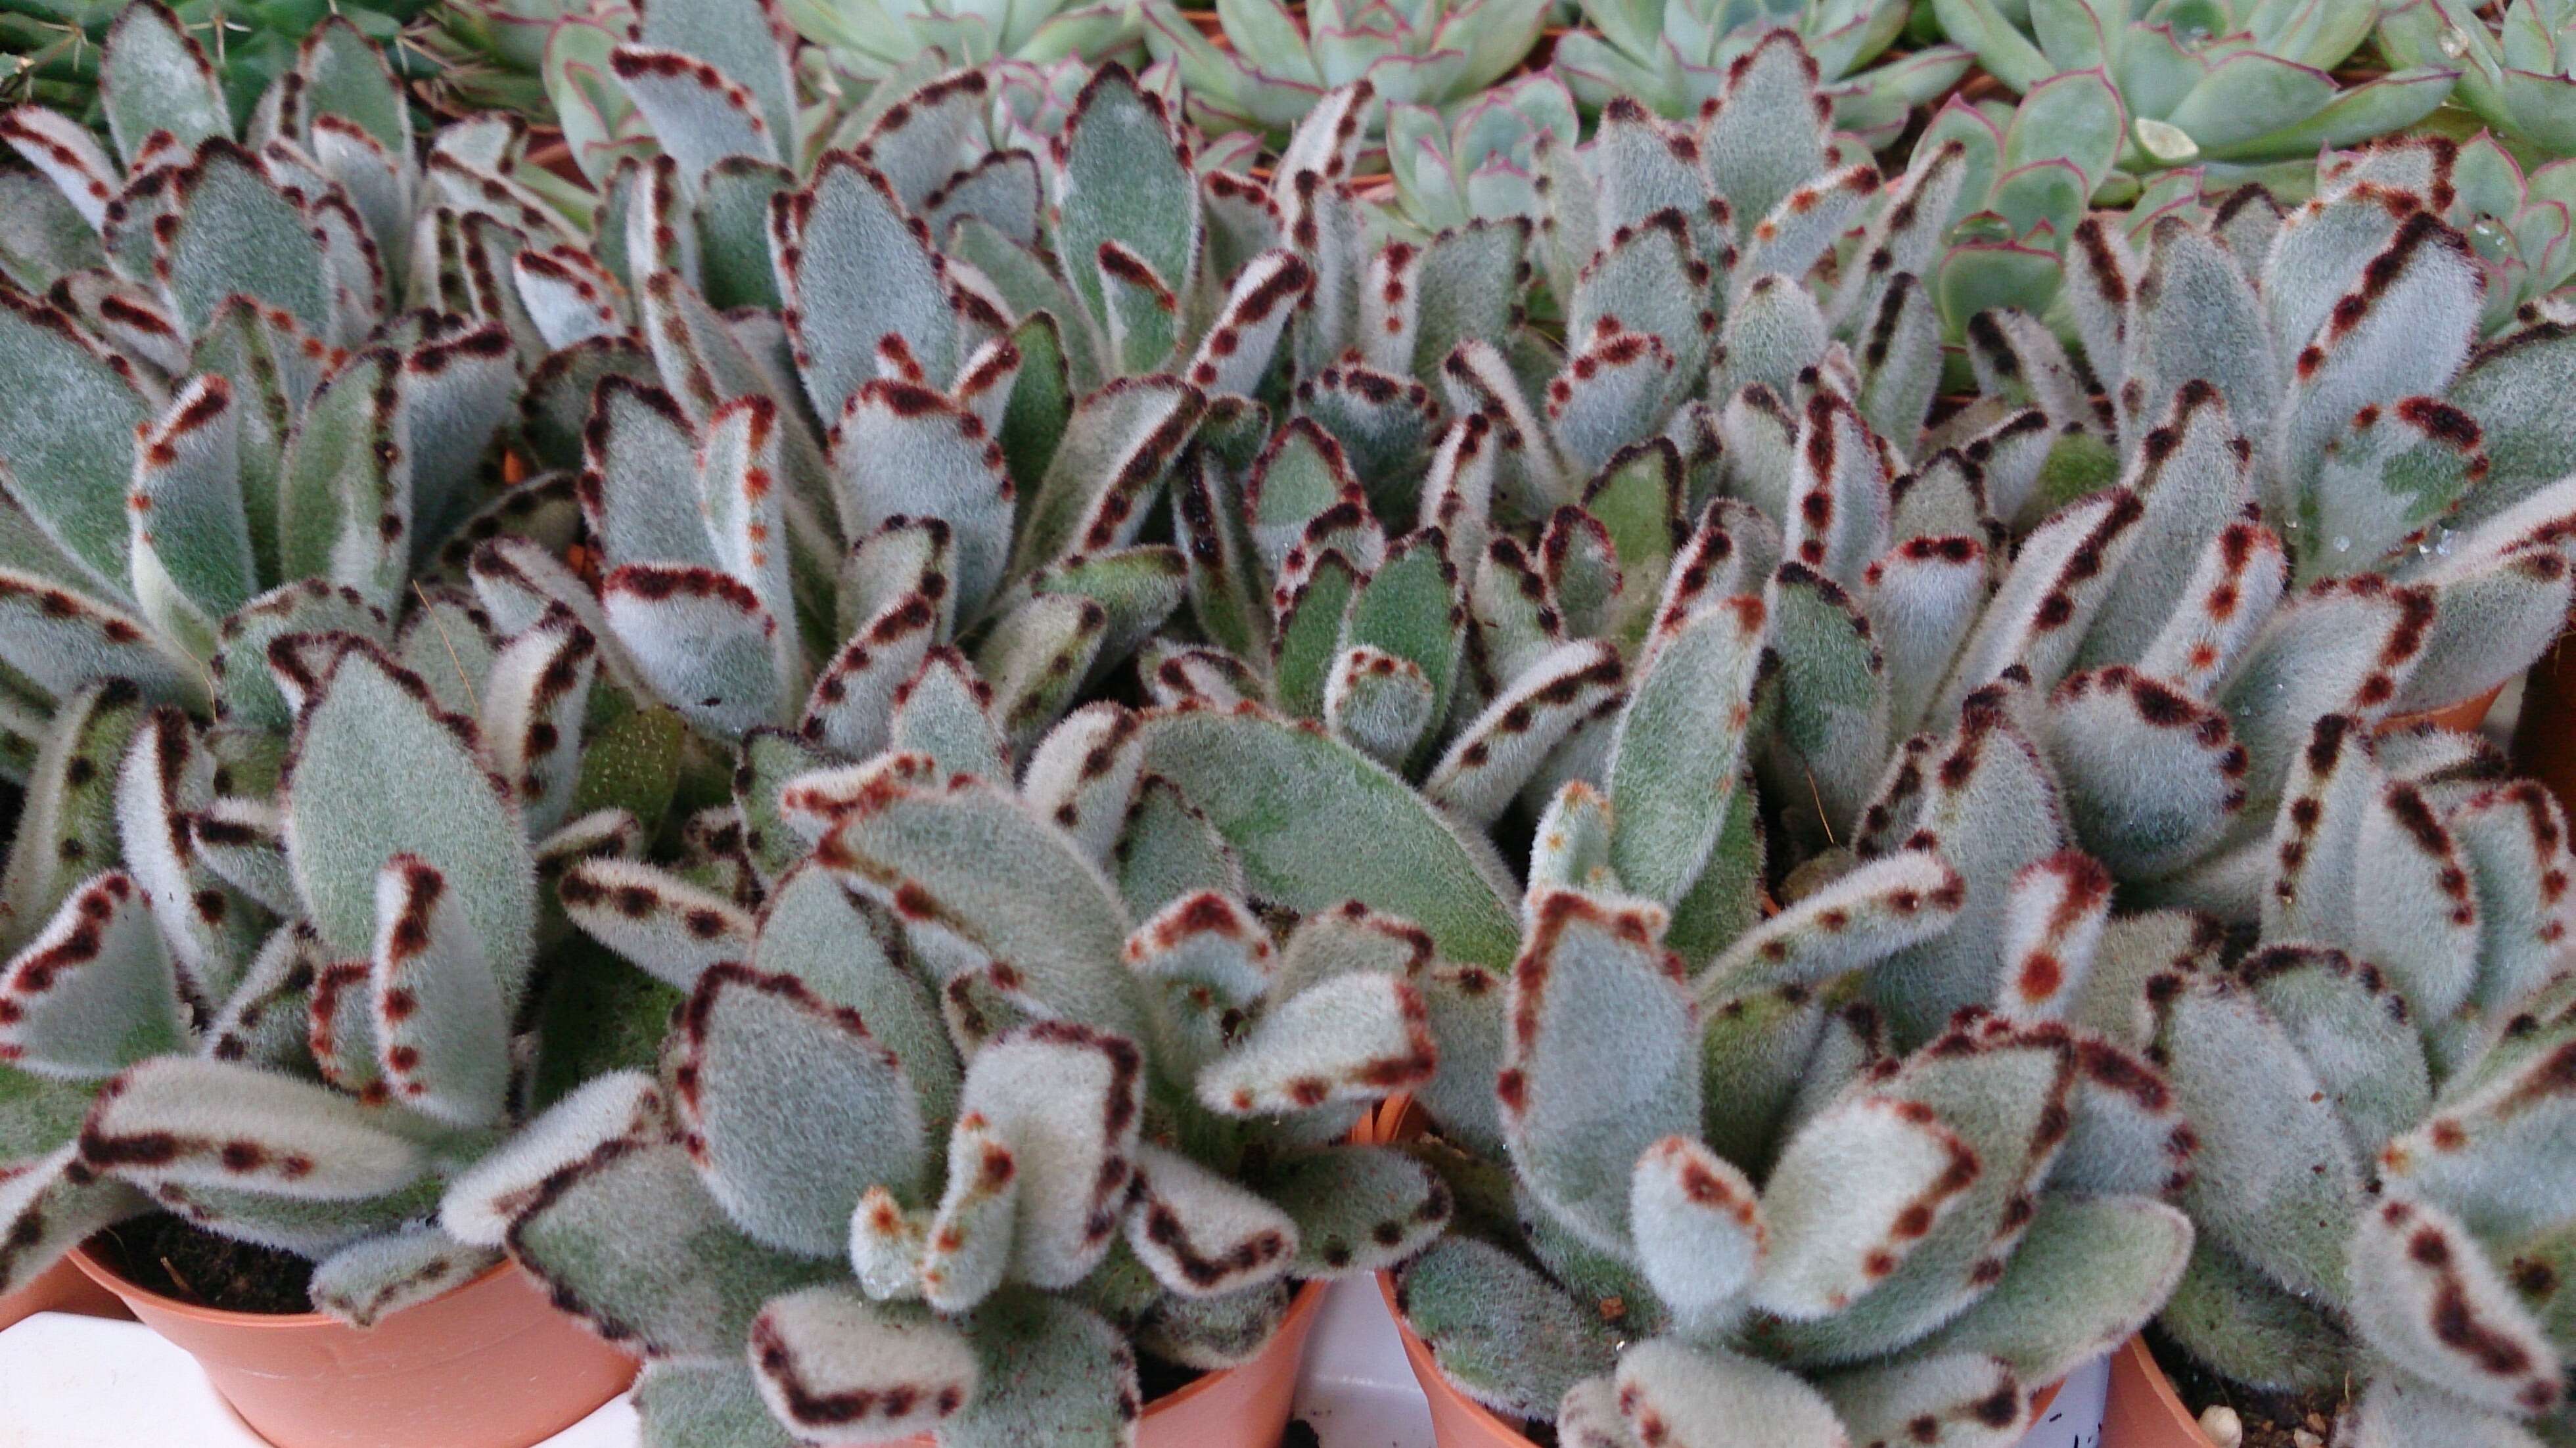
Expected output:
(2464, 715)
(1308, 1301)
(1427, 1374)
(1399, 1119)
(1302, 1308)
(2144, 1402)
(235, 1320)
(1426, 1371)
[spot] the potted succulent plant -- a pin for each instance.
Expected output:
(2372, 1082)
(273, 932)
(1604, 508)
(999, 1090)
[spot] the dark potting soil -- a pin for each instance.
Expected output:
(1157, 1379)
(2272, 1420)
(185, 1263)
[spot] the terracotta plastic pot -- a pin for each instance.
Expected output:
(2464, 716)
(489, 1365)
(60, 1288)
(2144, 1410)
(1243, 1406)
(1458, 1421)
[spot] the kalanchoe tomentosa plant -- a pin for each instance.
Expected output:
(1000, 1086)
(298, 1012)
(1931, 1237)
(2380, 1089)
(2355, 524)
(232, 398)
(995, 425)
(272, 876)
(1839, 1244)
(1471, 615)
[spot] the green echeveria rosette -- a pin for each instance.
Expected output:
(1277, 65)
(2515, 74)
(1483, 160)
(882, 36)
(1673, 55)
(2246, 90)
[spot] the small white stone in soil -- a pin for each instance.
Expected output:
(2224, 1428)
